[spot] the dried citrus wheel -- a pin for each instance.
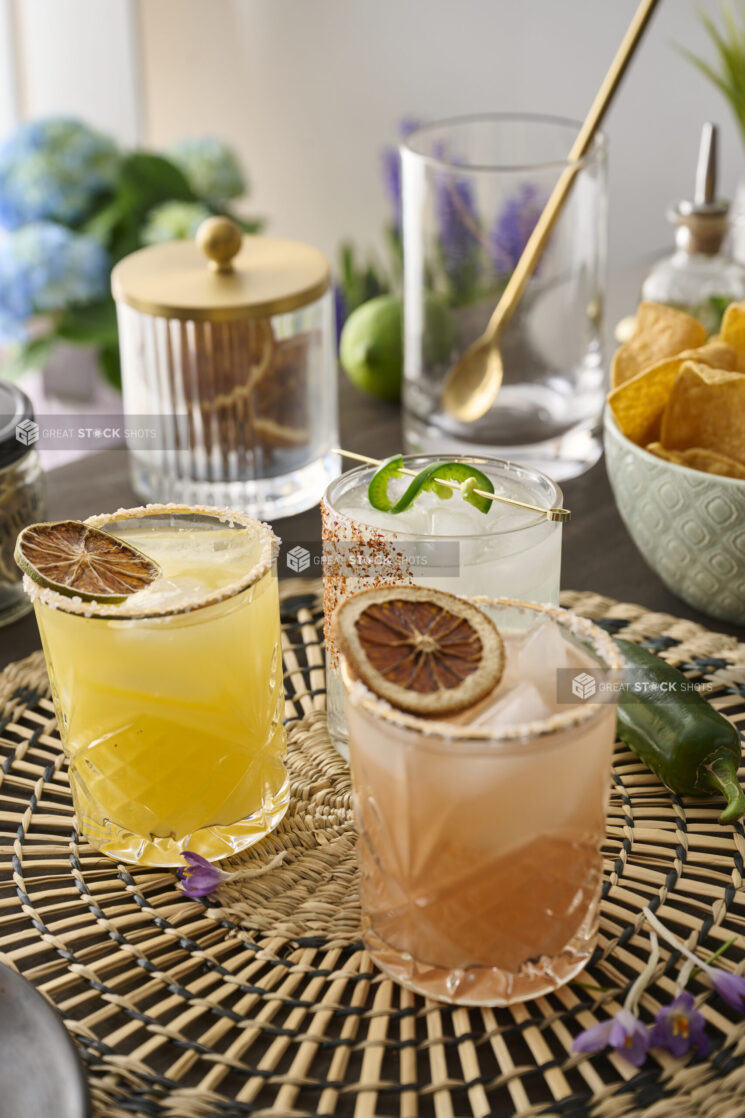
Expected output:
(424, 651)
(80, 561)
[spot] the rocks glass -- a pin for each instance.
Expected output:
(479, 844)
(473, 189)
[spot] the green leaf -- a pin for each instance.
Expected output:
(103, 224)
(728, 72)
(28, 355)
(108, 360)
(147, 179)
(248, 225)
(94, 324)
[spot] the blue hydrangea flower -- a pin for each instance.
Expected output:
(44, 268)
(54, 169)
(173, 221)
(211, 169)
(11, 330)
(513, 226)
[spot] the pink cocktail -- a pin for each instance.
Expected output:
(479, 837)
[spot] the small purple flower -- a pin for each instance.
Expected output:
(594, 1038)
(513, 226)
(730, 987)
(624, 1032)
(680, 1027)
(199, 877)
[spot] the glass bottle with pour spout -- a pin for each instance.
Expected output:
(700, 277)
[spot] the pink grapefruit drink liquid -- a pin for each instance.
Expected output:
(479, 838)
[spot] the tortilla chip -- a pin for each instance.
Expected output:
(697, 458)
(706, 409)
(733, 331)
(661, 332)
(639, 403)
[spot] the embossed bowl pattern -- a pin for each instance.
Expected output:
(688, 525)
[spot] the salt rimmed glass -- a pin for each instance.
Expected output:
(510, 552)
(479, 847)
(170, 704)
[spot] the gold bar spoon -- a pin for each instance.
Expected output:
(472, 384)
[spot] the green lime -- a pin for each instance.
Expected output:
(371, 346)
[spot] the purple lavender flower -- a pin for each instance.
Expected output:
(624, 1032)
(199, 877)
(513, 226)
(392, 171)
(680, 1027)
(730, 987)
(459, 233)
(340, 311)
(457, 217)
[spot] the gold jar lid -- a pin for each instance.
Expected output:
(222, 276)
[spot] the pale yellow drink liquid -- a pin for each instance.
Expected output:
(173, 723)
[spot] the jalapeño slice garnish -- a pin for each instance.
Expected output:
(427, 481)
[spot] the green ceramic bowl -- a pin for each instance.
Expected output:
(688, 525)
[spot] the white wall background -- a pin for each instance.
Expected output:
(309, 91)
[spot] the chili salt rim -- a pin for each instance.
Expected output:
(123, 611)
(600, 641)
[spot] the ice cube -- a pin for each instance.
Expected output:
(519, 704)
(168, 593)
(536, 656)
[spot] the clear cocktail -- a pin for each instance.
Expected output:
(170, 703)
(445, 544)
(479, 836)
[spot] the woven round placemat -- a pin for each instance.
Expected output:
(261, 1000)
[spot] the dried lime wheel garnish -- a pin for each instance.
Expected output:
(424, 651)
(80, 561)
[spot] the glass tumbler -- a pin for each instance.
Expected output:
(473, 189)
(170, 704)
(447, 545)
(479, 845)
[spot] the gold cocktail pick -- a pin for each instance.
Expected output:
(560, 515)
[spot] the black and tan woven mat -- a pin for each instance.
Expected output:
(261, 1001)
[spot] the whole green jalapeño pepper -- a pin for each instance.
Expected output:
(692, 748)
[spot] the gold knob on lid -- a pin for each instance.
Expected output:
(220, 240)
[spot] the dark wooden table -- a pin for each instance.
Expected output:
(598, 553)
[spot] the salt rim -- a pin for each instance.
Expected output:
(123, 610)
(602, 644)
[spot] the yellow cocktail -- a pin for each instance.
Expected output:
(170, 703)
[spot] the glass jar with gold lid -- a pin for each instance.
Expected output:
(229, 371)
